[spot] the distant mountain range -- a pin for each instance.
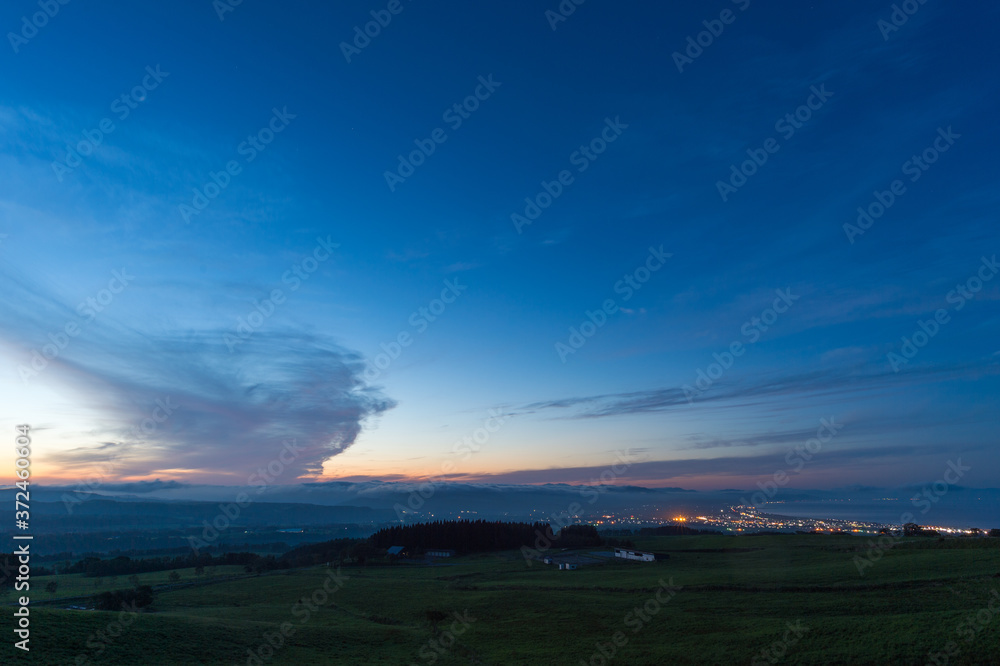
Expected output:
(176, 505)
(95, 515)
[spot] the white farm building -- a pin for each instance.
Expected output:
(638, 555)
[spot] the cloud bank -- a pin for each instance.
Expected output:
(184, 404)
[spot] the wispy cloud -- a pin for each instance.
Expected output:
(815, 383)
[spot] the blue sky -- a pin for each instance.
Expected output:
(312, 216)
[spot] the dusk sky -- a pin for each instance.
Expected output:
(219, 217)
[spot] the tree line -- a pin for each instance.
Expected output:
(673, 530)
(476, 536)
(124, 565)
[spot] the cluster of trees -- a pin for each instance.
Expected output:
(123, 565)
(140, 597)
(475, 536)
(577, 536)
(673, 530)
(8, 570)
(337, 551)
(618, 543)
(467, 536)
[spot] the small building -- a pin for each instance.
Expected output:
(637, 555)
(566, 566)
(397, 551)
(438, 552)
(547, 560)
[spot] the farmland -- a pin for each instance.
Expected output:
(715, 600)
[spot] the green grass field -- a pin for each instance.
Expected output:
(72, 585)
(737, 597)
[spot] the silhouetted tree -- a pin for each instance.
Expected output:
(51, 587)
(121, 599)
(434, 617)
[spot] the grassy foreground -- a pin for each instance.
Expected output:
(729, 599)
